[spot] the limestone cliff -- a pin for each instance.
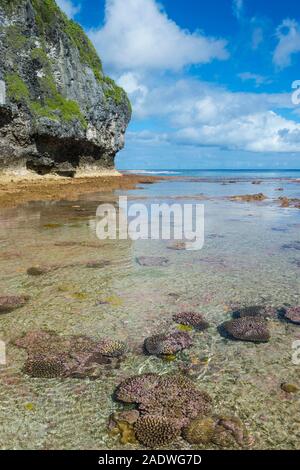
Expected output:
(58, 111)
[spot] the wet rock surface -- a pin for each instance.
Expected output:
(51, 355)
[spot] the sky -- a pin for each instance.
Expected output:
(213, 84)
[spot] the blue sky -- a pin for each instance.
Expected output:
(210, 81)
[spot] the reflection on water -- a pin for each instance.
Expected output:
(243, 262)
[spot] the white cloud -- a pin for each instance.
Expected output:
(238, 7)
(138, 35)
(254, 77)
(201, 114)
(130, 82)
(186, 101)
(260, 132)
(68, 7)
(288, 34)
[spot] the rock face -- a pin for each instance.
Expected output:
(58, 111)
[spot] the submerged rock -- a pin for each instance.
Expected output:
(51, 355)
(258, 311)
(41, 270)
(193, 319)
(291, 246)
(230, 432)
(249, 197)
(58, 111)
(289, 202)
(289, 388)
(9, 303)
(292, 314)
(97, 264)
(177, 246)
(171, 396)
(167, 343)
(246, 329)
(156, 431)
(152, 261)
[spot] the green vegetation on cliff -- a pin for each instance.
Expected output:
(17, 89)
(43, 98)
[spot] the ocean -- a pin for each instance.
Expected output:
(129, 290)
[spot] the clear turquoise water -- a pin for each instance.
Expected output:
(242, 262)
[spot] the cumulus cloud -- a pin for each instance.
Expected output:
(259, 132)
(201, 114)
(138, 35)
(69, 7)
(288, 34)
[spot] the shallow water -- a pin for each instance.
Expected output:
(242, 262)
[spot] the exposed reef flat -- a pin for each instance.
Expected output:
(16, 190)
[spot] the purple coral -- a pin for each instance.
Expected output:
(167, 343)
(171, 396)
(135, 389)
(193, 319)
(68, 356)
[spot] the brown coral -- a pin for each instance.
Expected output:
(80, 355)
(171, 396)
(193, 319)
(111, 348)
(200, 431)
(156, 431)
(44, 367)
(246, 329)
(167, 343)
